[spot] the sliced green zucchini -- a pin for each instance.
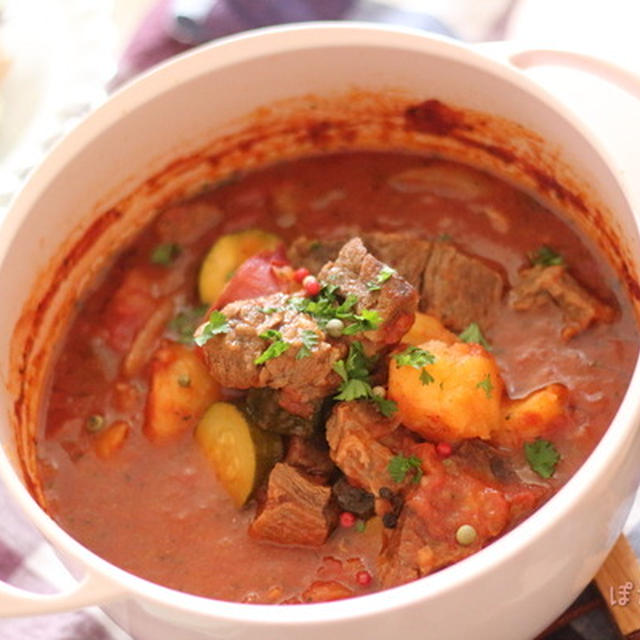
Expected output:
(226, 255)
(241, 454)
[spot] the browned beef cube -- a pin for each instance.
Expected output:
(407, 254)
(402, 251)
(459, 289)
(356, 272)
(352, 432)
(295, 511)
(231, 356)
(540, 285)
(314, 253)
(311, 456)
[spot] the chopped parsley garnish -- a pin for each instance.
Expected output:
(542, 456)
(216, 324)
(368, 320)
(400, 465)
(361, 525)
(414, 357)
(427, 378)
(186, 322)
(309, 341)
(277, 347)
(356, 385)
(473, 334)
(417, 358)
(546, 257)
(486, 384)
(268, 310)
(165, 254)
(383, 275)
(326, 306)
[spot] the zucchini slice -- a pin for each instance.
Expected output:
(226, 255)
(241, 454)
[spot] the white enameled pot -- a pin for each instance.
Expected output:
(510, 590)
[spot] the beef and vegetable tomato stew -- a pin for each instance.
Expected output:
(331, 376)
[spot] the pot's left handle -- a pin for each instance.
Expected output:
(93, 589)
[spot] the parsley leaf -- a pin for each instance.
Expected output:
(327, 306)
(414, 357)
(383, 275)
(385, 406)
(542, 457)
(546, 257)
(355, 385)
(165, 254)
(426, 377)
(216, 324)
(473, 334)
(486, 384)
(309, 341)
(368, 320)
(186, 322)
(417, 358)
(277, 347)
(400, 465)
(354, 389)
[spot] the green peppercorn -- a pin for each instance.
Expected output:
(466, 535)
(94, 423)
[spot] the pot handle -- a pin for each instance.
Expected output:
(93, 589)
(527, 58)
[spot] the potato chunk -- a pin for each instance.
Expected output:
(527, 418)
(427, 327)
(457, 396)
(180, 390)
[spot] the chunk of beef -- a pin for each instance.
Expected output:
(295, 511)
(485, 462)
(407, 254)
(459, 289)
(356, 272)
(231, 356)
(456, 288)
(540, 285)
(314, 253)
(311, 456)
(352, 432)
(447, 497)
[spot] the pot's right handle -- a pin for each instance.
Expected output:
(605, 96)
(93, 589)
(609, 71)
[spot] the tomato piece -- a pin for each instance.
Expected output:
(259, 275)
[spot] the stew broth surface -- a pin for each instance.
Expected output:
(157, 509)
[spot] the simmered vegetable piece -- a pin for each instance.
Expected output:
(111, 439)
(527, 418)
(226, 255)
(427, 327)
(179, 392)
(240, 453)
(452, 392)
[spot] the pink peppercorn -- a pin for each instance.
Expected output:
(347, 519)
(311, 286)
(300, 274)
(443, 449)
(363, 578)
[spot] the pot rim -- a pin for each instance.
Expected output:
(232, 50)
